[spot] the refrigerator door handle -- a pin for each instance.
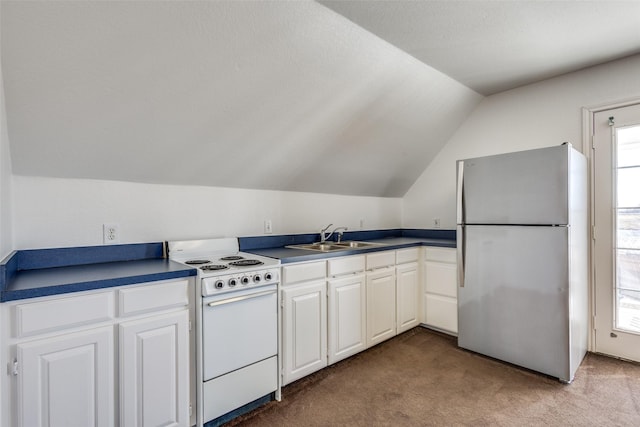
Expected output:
(459, 190)
(460, 244)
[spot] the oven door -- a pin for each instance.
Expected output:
(239, 329)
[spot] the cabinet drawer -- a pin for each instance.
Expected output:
(440, 278)
(304, 272)
(407, 255)
(62, 313)
(340, 266)
(153, 297)
(441, 254)
(381, 259)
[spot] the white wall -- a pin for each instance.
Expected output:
(6, 233)
(50, 212)
(538, 115)
(220, 93)
(56, 212)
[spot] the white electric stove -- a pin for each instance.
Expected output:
(237, 323)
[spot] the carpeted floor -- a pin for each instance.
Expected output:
(421, 378)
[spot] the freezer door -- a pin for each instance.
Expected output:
(526, 187)
(514, 305)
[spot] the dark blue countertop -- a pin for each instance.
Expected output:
(289, 255)
(275, 246)
(43, 272)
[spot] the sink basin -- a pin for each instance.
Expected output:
(357, 245)
(321, 247)
(334, 246)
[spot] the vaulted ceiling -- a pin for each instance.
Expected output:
(258, 94)
(492, 46)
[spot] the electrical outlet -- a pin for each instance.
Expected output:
(436, 222)
(268, 229)
(110, 234)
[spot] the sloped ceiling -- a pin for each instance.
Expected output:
(492, 46)
(281, 95)
(262, 95)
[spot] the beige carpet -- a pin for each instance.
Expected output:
(421, 378)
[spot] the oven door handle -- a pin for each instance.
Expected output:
(242, 298)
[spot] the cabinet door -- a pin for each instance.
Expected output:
(154, 371)
(67, 381)
(407, 296)
(381, 305)
(304, 329)
(347, 317)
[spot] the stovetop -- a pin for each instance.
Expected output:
(213, 264)
(221, 267)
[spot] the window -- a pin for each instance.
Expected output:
(627, 214)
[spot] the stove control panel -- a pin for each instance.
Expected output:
(239, 280)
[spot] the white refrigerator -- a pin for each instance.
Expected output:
(522, 245)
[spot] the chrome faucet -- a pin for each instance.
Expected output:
(324, 236)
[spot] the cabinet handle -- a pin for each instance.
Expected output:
(460, 248)
(386, 267)
(460, 243)
(242, 298)
(351, 273)
(459, 192)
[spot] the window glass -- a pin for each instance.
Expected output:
(628, 228)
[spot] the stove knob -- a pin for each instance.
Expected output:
(244, 280)
(268, 276)
(232, 282)
(257, 278)
(219, 284)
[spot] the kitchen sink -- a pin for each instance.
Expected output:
(334, 246)
(357, 245)
(322, 247)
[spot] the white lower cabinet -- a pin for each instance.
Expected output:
(381, 296)
(381, 305)
(335, 308)
(304, 323)
(154, 371)
(407, 296)
(347, 317)
(64, 360)
(67, 380)
(408, 289)
(440, 297)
